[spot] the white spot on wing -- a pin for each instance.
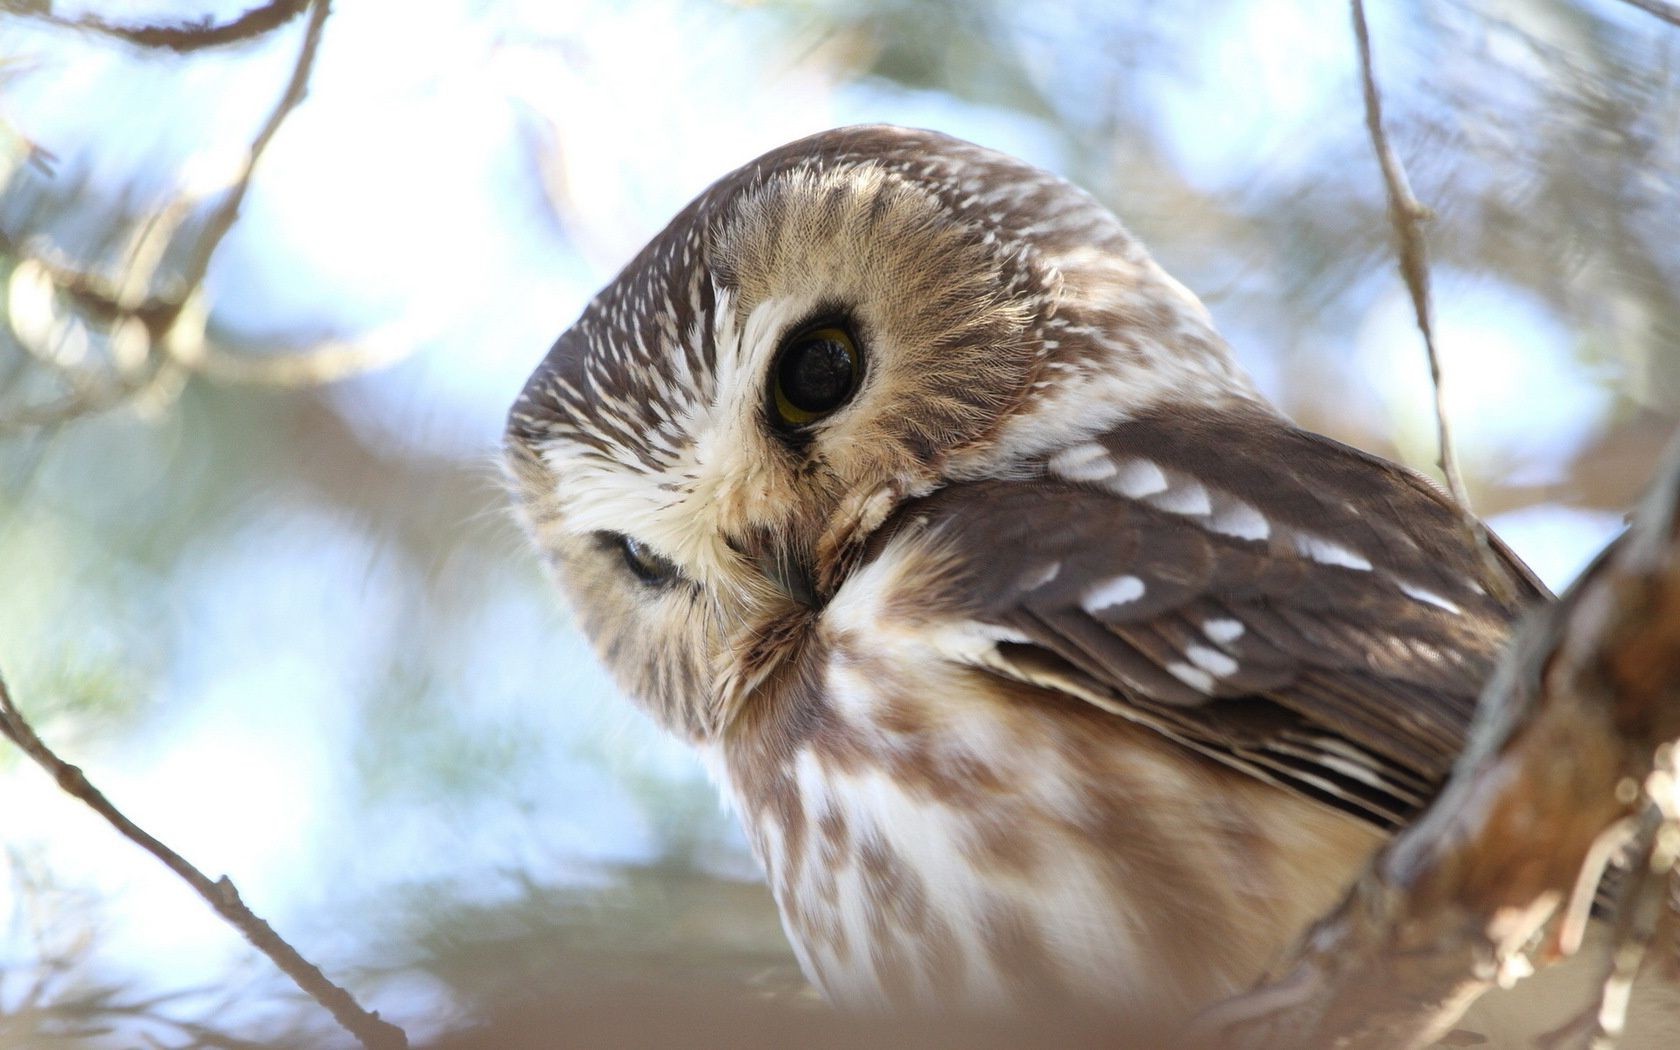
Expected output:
(1033, 579)
(1327, 552)
(1223, 630)
(1138, 478)
(1337, 757)
(1428, 597)
(1194, 677)
(1352, 770)
(1190, 498)
(1118, 591)
(1088, 462)
(971, 642)
(1211, 660)
(1239, 519)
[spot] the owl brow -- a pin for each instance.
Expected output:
(826, 313)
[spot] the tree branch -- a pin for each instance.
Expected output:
(1575, 752)
(1406, 215)
(1663, 9)
(168, 352)
(227, 211)
(178, 37)
(322, 363)
(220, 894)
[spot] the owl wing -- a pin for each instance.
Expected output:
(1284, 603)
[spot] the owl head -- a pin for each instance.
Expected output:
(846, 324)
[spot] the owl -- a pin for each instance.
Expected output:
(1043, 660)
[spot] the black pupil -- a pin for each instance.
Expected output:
(816, 374)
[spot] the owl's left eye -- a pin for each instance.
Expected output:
(814, 374)
(644, 564)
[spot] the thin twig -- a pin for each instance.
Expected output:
(41, 416)
(1407, 215)
(326, 362)
(1637, 920)
(220, 894)
(107, 302)
(1663, 9)
(1639, 915)
(227, 211)
(177, 37)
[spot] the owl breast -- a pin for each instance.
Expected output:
(940, 838)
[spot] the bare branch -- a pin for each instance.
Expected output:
(220, 894)
(1643, 905)
(170, 350)
(35, 155)
(1407, 215)
(178, 37)
(81, 402)
(1664, 9)
(1574, 749)
(227, 211)
(320, 364)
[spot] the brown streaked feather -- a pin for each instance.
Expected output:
(1354, 685)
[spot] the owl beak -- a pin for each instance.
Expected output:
(789, 577)
(778, 566)
(811, 581)
(855, 523)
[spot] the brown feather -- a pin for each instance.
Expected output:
(1326, 651)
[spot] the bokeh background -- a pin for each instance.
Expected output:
(290, 627)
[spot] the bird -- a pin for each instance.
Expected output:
(1043, 659)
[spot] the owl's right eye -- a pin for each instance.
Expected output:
(814, 374)
(644, 564)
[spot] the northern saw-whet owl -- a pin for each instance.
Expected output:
(1042, 658)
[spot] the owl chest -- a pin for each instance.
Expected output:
(1005, 865)
(896, 900)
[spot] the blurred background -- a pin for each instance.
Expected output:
(257, 575)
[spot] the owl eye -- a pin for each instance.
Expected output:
(647, 566)
(815, 373)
